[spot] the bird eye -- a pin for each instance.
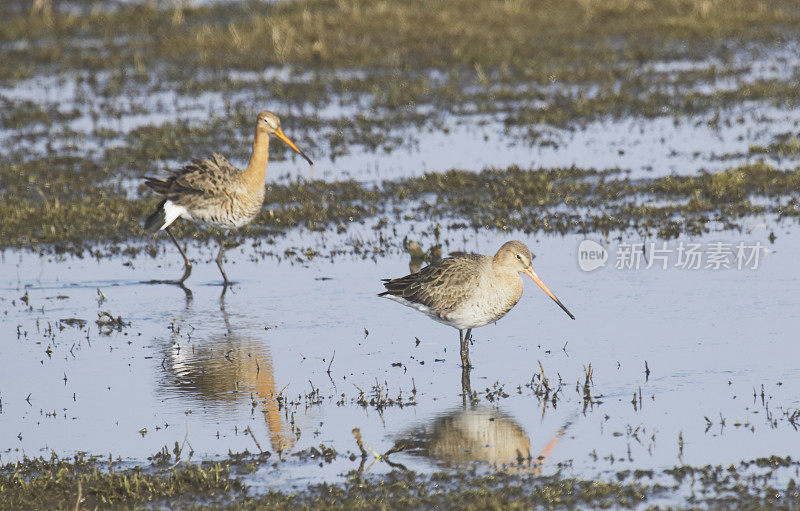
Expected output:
(519, 257)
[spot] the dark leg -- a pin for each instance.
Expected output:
(219, 260)
(465, 348)
(187, 268)
(466, 387)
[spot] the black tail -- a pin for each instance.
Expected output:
(161, 186)
(156, 219)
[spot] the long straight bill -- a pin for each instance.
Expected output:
(281, 135)
(532, 274)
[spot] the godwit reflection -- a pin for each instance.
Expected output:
(420, 256)
(477, 434)
(231, 370)
(474, 434)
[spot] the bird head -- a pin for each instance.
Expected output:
(517, 255)
(270, 124)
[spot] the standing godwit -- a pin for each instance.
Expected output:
(215, 193)
(468, 290)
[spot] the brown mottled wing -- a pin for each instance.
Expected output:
(207, 176)
(442, 286)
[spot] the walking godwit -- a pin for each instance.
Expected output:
(468, 290)
(215, 193)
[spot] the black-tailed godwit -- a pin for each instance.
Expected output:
(215, 193)
(469, 290)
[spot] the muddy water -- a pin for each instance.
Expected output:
(207, 367)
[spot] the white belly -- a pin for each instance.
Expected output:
(469, 315)
(220, 221)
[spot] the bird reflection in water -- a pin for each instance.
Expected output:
(473, 434)
(420, 256)
(226, 370)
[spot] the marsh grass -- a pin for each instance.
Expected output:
(359, 33)
(54, 483)
(784, 145)
(559, 200)
(57, 484)
(489, 45)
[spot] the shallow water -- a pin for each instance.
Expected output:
(644, 147)
(689, 367)
(214, 366)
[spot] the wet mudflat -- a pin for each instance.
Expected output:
(648, 128)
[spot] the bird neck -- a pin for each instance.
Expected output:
(504, 273)
(256, 170)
